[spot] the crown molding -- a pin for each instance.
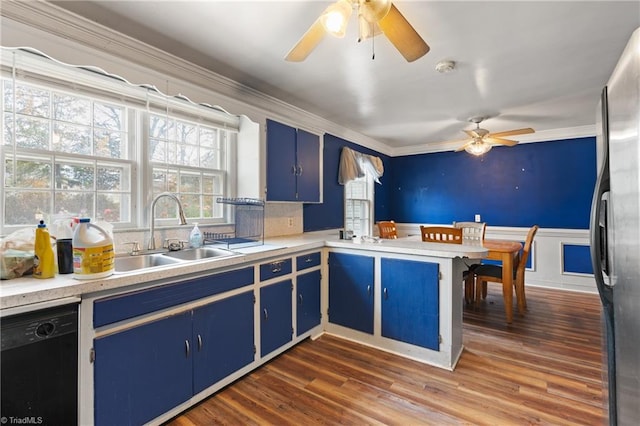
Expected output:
(541, 136)
(247, 101)
(104, 41)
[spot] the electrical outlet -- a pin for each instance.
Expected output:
(477, 218)
(290, 222)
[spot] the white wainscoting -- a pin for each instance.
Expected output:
(547, 269)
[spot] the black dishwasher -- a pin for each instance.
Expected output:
(39, 366)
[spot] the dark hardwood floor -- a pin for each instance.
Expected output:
(545, 368)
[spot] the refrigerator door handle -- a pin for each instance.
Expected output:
(598, 252)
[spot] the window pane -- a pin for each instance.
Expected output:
(28, 174)
(189, 183)
(191, 205)
(29, 132)
(210, 208)
(71, 109)
(29, 100)
(21, 207)
(114, 207)
(209, 158)
(108, 116)
(71, 138)
(110, 144)
(116, 178)
(74, 176)
(187, 155)
(186, 133)
(78, 204)
(157, 150)
(208, 137)
(158, 127)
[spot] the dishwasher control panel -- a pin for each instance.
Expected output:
(30, 328)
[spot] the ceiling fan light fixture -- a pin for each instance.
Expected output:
(478, 148)
(336, 17)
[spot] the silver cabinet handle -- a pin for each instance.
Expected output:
(276, 267)
(308, 260)
(300, 297)
(266, 314)
(187, 347)
(386, 295)
(369, 290)
(199, 343)
(294, 170)
(299, 170)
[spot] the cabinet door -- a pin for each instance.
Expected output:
(143, 372)
(281, 162)
(276, 328)
(308, 167)
(410, 302)
(308, 300)
(223, 339)
(351, 289)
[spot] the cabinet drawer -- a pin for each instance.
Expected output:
(133, 304)
(274, 269)
(307, 261)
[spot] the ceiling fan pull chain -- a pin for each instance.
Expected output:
(373, 44)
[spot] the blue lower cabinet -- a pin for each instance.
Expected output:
(142, 372)
(276, 327)
(308, 301)
(351, 290)
(410, 302)
(223, 339)
(145, 371)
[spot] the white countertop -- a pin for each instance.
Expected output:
(28, 290)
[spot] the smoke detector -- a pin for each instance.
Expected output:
(444, 67)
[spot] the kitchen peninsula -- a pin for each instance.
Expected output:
(210, 322)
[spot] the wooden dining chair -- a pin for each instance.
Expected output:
(472, 232)
(441, 234)
(493, 273)
(387, 229)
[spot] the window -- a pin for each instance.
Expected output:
(188, 158)
(63, 155)
(79, 143)
(358, 205)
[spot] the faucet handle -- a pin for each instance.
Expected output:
(174, 244)
(135, 247)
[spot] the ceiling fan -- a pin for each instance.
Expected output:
(482, 141)
(374, 17)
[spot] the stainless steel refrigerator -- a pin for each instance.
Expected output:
(615, 233)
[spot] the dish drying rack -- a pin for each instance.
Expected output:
(248, 214)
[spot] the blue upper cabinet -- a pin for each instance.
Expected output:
(293, 164)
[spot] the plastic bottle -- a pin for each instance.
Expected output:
(195, 238)
(44, 265)
(93, 254)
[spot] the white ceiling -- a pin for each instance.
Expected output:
(523, 64)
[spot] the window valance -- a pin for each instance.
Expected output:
(354, 164)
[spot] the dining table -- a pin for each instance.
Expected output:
(508, 252)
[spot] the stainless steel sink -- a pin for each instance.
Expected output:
(132, 263)
(198, 253)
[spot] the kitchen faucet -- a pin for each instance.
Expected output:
(152, 221)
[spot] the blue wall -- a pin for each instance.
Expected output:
(547, 183)
(330, 214)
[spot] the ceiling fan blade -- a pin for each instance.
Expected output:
(500, 141)
(512, 132)
(402, 35)
(307, 43)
